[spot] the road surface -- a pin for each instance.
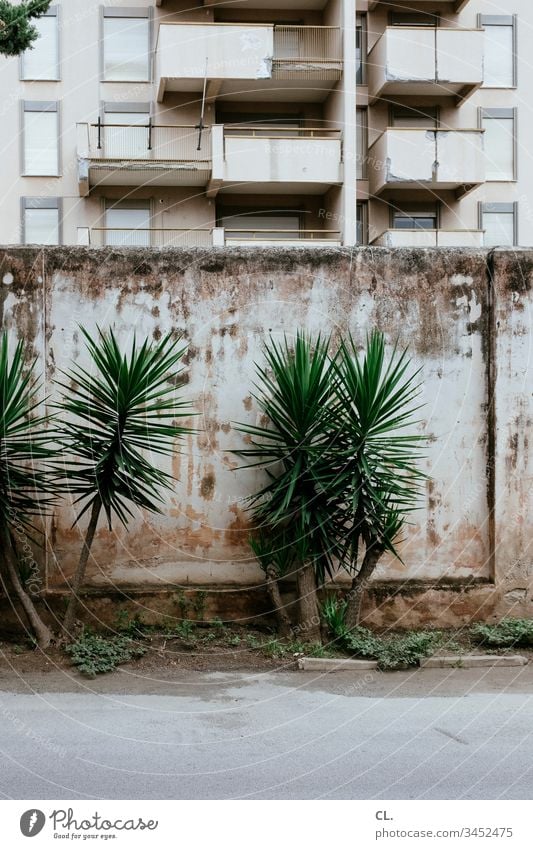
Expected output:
(428, 734)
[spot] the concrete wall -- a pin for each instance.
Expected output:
(466, 316)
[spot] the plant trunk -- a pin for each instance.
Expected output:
(40, 630)
(359, 585)
(308, 613)
(79, 575)
(284, 623)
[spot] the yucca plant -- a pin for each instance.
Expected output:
(275, 555)
(376, 481)
(294, 392)
(26, 482)
(117, 411)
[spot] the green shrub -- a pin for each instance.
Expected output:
(392, 652)
(94, 654)
(333, 612)
(507, 633)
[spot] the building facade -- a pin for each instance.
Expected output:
(264, 122)
(444, 113)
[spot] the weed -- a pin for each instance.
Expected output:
(507, 633)
(183, 604)
(234, 640)
(94, 654)
(393, 652)
(132, 627)
(333, 612)
(198, 604)
(184, 629)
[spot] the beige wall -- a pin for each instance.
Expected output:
(474, 526)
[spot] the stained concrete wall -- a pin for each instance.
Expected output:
(466, 316)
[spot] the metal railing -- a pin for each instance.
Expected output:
(279, 131)
(144, 237)
(242, 234)
(304, 52)
(150, 142)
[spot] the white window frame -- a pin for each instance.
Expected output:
(41, 203)
(502, 209)
(506, 115)
(117, 203)
(28, 106)
(126, 12)
(503, 21)
(52, 12)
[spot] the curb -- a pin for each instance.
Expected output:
(473, 661)
(333, 664)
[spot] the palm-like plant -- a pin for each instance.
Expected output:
(376, 481)
(122, 408)
(26, 482)
(294, 391)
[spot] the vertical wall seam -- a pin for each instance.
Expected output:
(491, 378)
(45, 388)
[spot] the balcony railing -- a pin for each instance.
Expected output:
(307, 52)
(251, 54)
(423, 158)
(300, 238)
(285, 156)
(457, 5)
(153, 142)
(418, 238)
(166, 237)
(143, 237)
(426, 61)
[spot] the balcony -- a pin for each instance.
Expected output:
(138, 155)
(248, 61)
(456, 5)
(426, 61)
(249, 238)
(429, 239)
(292, 5)
(268, 159)
(435, 160)
(143, 237)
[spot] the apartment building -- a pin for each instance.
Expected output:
(444, 118)
(179, 123)
(265, 122)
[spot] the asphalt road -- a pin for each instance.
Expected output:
(431, 734)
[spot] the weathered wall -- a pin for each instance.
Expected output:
(467, 319)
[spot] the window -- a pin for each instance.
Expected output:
(361, 49)
(499, 141)
(125, 130)
(361, 142)
(41, 221)
(416, 116)
(40, 138)
(416, 218)
(128, 223)
(41, 62)
(499, 221)
(250, 226)
(362, 223)
(500, 50)
(126, 45)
